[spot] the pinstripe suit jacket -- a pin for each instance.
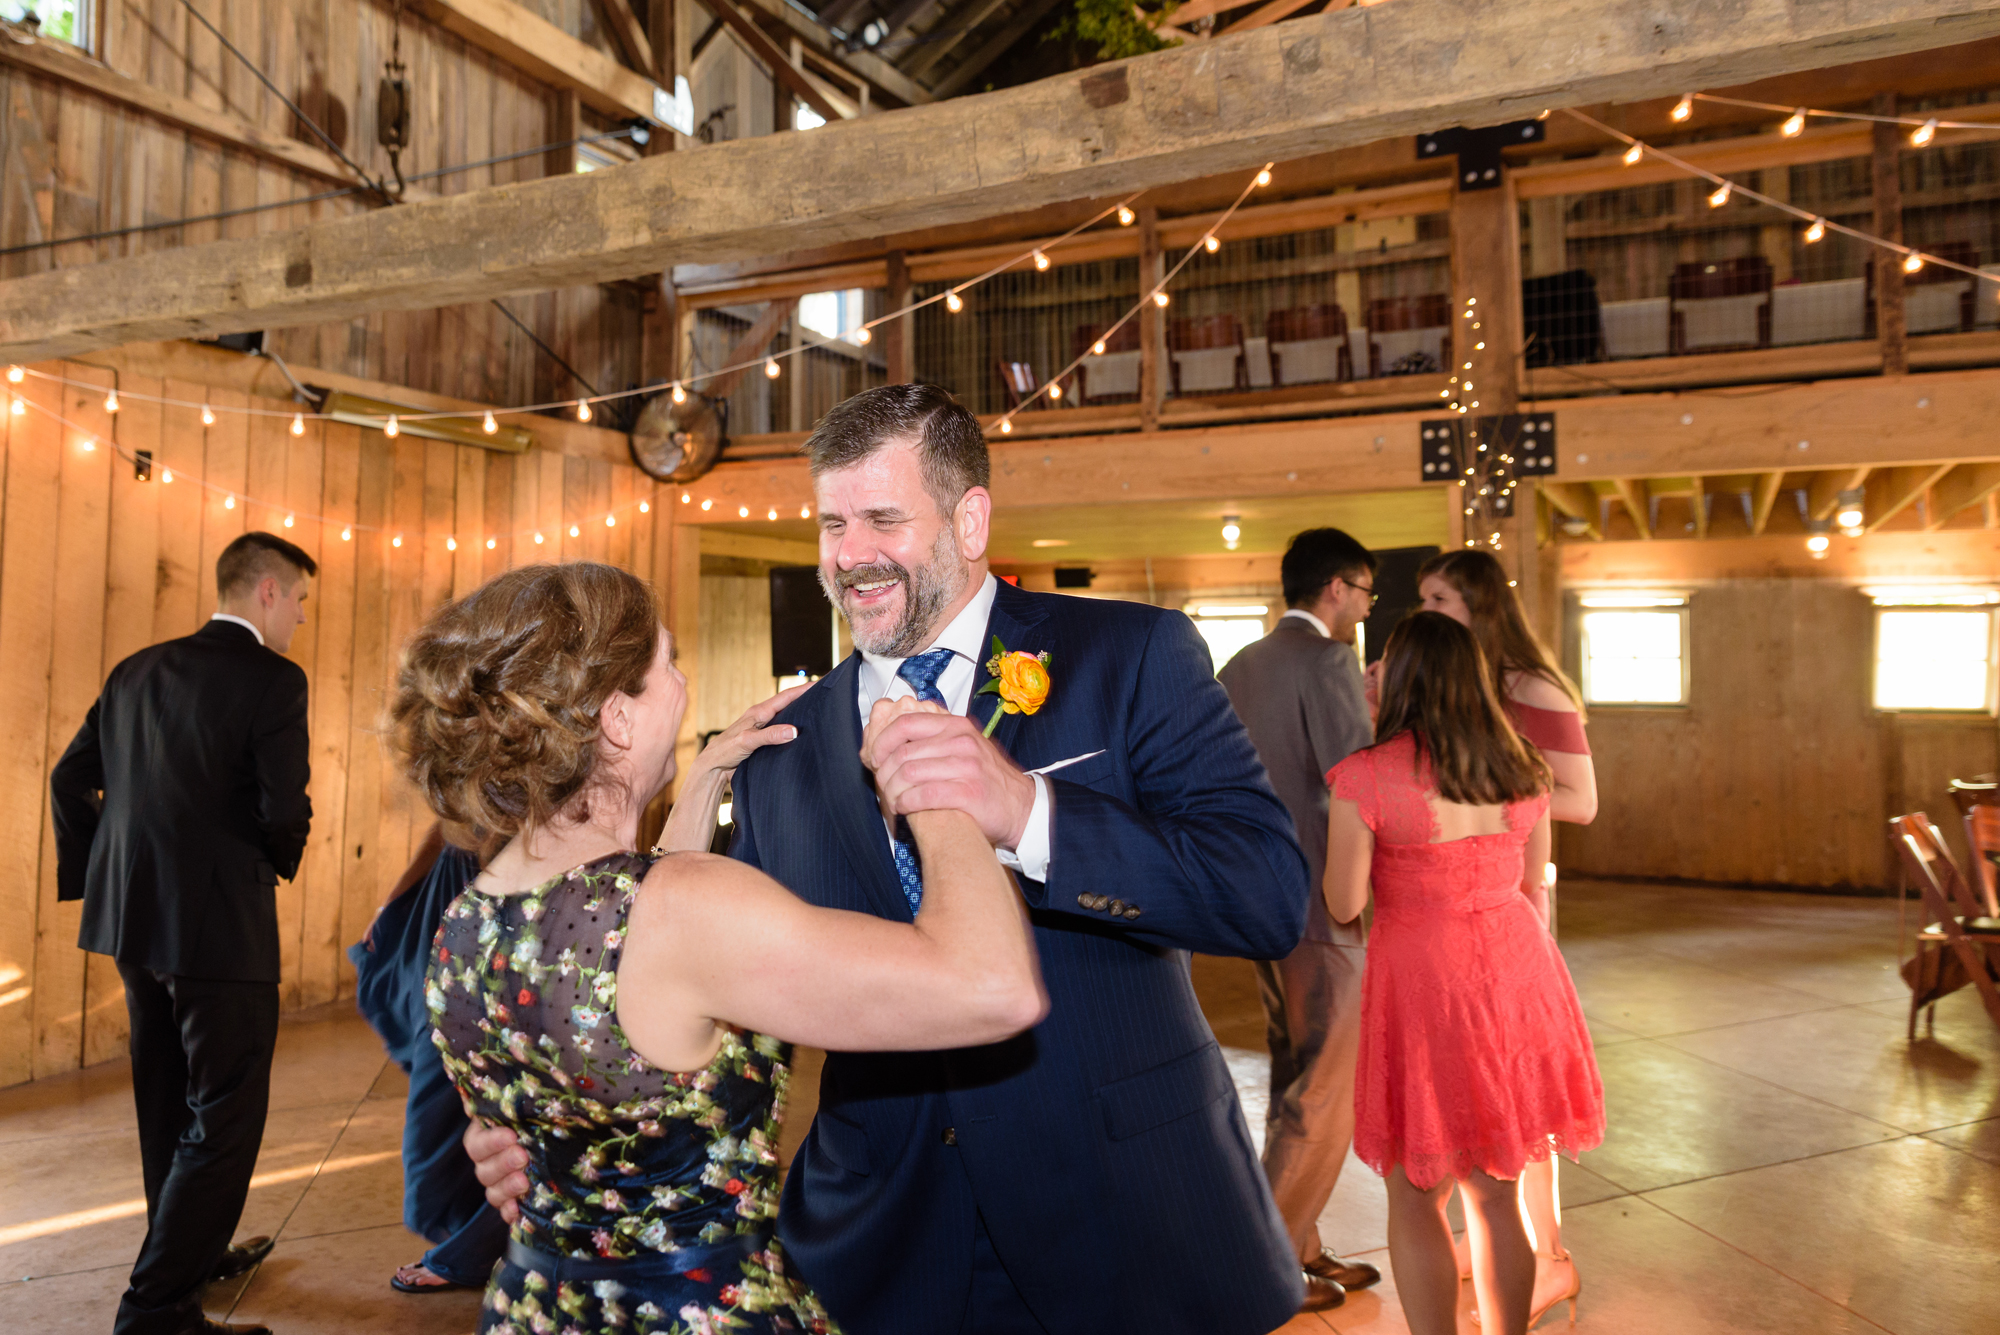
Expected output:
(1104, 1149)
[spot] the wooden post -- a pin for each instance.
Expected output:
(660, 335)
(565, 125)
(666, 64)
(899, 351)
(1152, 321)
(1548, 240)
(1891, 326)
(1486, 310)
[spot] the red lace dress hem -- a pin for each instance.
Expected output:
(1474, 1052)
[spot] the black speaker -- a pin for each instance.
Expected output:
(801, 623)
(1396, 580)
(1560, 318)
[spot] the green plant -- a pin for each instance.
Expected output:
(1117, 28)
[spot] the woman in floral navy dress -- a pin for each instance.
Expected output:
(629, 1015)
(1475, 1060)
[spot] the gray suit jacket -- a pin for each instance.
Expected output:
(1300, 695)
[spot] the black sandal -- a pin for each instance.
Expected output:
(443, 1285)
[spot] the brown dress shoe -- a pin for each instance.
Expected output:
(1322, 1294)
(1347, 1274)
(208, 1327)
(241, 1256)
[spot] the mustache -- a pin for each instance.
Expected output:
(870, 574)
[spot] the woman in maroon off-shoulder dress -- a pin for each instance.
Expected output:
(1471, 588)
(1475, 1060)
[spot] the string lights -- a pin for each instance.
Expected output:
(1923, 129)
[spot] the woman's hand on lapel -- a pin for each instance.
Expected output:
(927, 760)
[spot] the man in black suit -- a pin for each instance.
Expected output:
(1299, 693)
(177, 808)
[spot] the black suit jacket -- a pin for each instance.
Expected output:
(200, 751)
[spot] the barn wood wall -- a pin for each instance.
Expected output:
(1779, 771)
(95, 565)
(73, 163)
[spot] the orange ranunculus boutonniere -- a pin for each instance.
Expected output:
(1021, 680)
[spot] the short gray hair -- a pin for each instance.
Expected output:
(951, 449)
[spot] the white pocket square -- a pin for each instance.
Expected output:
(1064, 764)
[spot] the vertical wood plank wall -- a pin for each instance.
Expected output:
(95, 565)
(73, 163)
(1779, 771)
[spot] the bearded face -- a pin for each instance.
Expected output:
(895, 610)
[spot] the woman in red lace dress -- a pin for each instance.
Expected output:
(1475, 1060)
(1543, 704)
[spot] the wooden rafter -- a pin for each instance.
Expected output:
(1578, 500)
(1698, 498)
(807, 90)
(1267, 14)
(966, 24)
(1962, 488)
(1316, 83)
(862, 64)
(994, 47)
(1823, 492)
(628, 33)
(1892, 490)
(750, 346)
(1632, 491)
(535, 46)
(1763, 499)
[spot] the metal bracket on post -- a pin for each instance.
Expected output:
(1478, 151)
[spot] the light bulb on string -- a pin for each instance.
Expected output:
(1913, 263)
(111, 402)
(229, 501)
(538, 539)
(611, 521)
(1633, 154)
(489, 426)
(708, 504)
(1125, 216)
(680, 395)
(645, 507)
(492, 543)
(575, 531)
(1041, 261)
(1720, 197)
(805, 512)
(15, 375)
(771, 368)
(953, 302)
(1160, 299)
(89, 446)
(1794, 124)
(1006, 426)
(1816, 231)
(1264, 177)
(686, 498)
(583, 410)
(18, 406)
(1924, 133)
(773, 514)
(1683, 108)
(288, 521)
(451, 544)
(1211, 244)
(861, 336)
(346, 534)
(207, 415)
(391, 428)
(1097, 348)
(742, 512)
(1055, 390)
(298, 424)
(396, 541)
(166, 476)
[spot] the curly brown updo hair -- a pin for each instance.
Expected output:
(497, 699)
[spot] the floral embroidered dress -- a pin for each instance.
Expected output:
(1474, 1052)
(653, 1194)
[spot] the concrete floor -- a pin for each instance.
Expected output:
(1779, 1159)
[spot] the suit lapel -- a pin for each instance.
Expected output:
(1017, 620)
(849, 792)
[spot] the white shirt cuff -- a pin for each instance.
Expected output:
(1031, 859)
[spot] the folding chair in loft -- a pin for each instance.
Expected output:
(1955, 943)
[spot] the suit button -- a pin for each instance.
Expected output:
(1131, 911)
(1086, 900)
(950, 1136)
(1117, 908)
(1098, 901)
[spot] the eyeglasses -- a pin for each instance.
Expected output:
(1373, 597)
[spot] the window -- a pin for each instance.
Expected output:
(805, 118)
(65, 20)
(1228, 627)
(831, 314)
(1934, 649)
(1634, 648)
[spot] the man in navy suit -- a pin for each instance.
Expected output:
(1093, 1175)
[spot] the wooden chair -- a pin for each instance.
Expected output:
(1955, 943)
(1309, 344)
(1113, 375)
(1018, 381)
(1978, 802)
(1207, 354)
(1401, 327)
(1719, 304)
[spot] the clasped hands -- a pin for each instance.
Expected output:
(926, 759)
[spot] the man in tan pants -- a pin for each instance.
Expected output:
(1299, 693)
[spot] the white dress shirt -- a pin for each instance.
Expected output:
(1309, 619)
(225, 616)
(966, 638)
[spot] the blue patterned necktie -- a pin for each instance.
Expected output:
(922, 672)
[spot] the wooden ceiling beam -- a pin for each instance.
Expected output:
(533, 45)
(628, 34)
(994, 47)
(1763, 499)
(936, 49)
(1638, 503)
(862, 64)
(808, 90)
(1578, 500)
(1962, 488)
(1699, 500)
(1823, 492)
(1893, 490)
(1313, 84)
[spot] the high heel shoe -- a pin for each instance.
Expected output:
(1568, 1295)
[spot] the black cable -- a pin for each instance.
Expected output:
(290, 105)
(116, 232)
(553, 354)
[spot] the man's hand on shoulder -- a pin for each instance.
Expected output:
(500, 1164)
(938, 761)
